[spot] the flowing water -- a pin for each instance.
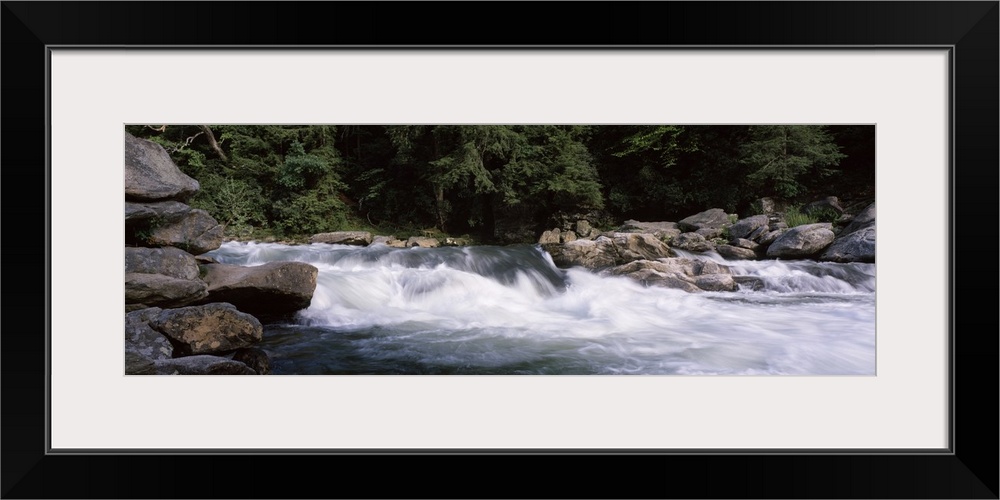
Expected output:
(509, 310)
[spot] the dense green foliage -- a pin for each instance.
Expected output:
(504, 182)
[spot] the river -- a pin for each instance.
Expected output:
(490, 310)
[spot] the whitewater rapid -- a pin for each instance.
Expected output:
(509, 310)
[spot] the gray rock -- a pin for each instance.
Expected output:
(863, 220)
(716, 283)
(382, 240)
(709, 267)
(168, 261)
(743, 228)
(548, 237)
(151, 175)
(658, 229)
(591, 254)
(802, 241)
(583, 227)
(673, 274)
(268, 290)
(758, 233)
(736, 253)
(678, 273)
(422, 242)
(638, 246)
(361, 238)
(749, 282)
(162, 291)
(202, 365)
(858, 246)
(160, 211)
(830, 203)
(771, 236)
(196, 233)
(692, 242)
(710, 232)
(137, 365)
(255, 358)
(567, 236)
(206, 329)
(143, 345)
(711, 218)
(744, 243)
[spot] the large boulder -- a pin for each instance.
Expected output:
(143, 345)
(639, 246)
(422, 242)
(736, 253)
(679, 273)
(197, 233)
(272, 289)
(858, 246)
(692, 242)
(551, 236)
(802, 241)
(591, 254)
(201, 365)
(864, 219)
(659, 229)
(162, 291)
(168, 261)
(151, 175)
(743, 228)
(361, 238)
(154, 212)
(207, 329)
(711, 218)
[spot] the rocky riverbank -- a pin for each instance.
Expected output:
(653, 252)
(185, 314)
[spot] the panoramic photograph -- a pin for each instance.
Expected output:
(499, 249)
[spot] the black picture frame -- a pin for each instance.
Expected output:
(969, 470)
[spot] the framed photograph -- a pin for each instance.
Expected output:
(898, 401)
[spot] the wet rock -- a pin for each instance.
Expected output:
(736, 253)
(858, 246)
(269, 290)
(143, 345)
(206, 329)
(255, 358)
(360, 238)
(802, 241)
(864, 219)
(201, 365)
(715, 283)
(422, 242)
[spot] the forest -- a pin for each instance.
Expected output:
(502, 184)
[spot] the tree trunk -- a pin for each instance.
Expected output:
(212, 142)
